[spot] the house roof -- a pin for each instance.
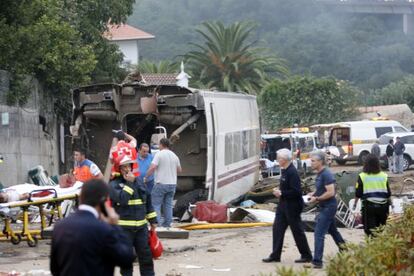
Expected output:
(126, 32)
(159, 79)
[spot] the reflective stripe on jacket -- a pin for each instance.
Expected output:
(375, 187)
(132, 202)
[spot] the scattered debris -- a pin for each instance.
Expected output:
(255, 215)
(189, 266)
(203, 226)
(180, 249)
(173, 272)
(222, 269)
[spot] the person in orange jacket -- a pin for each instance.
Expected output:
(85, 169)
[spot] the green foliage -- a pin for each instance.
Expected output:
(289, 271)
(163, 66)
(390, 252)
(359, 49)
(307, 100)
(401, 92)
(60, 43)
(227, 61)
(370, 51)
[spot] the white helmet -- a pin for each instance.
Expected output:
(125, 159)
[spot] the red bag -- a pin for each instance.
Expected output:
(211, 211)
(155, 244)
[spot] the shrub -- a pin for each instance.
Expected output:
(390, 252)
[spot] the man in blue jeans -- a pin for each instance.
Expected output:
(166, 165)
(325, 196)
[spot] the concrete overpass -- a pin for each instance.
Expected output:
(405, 8)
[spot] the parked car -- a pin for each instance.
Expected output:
(407, 138)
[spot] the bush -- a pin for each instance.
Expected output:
(306, 101)
(390, 252)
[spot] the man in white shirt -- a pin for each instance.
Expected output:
(166, 165)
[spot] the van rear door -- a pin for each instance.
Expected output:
(341, 138)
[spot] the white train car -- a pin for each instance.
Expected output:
(233, 144)
(216, 135)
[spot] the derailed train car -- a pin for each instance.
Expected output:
(215, 134)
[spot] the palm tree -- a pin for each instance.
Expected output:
(228, 62)
(162, 67)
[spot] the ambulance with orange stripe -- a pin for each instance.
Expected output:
(352, 141)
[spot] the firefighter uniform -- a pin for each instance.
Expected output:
(133, 204)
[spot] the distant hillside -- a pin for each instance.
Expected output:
(370, 51)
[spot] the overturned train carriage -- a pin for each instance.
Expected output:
(215, 134)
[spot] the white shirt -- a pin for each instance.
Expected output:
(84, 207)
(167, 163)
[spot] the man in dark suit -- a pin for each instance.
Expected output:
(288, 211)
(88, 242)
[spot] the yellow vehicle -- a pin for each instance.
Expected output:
(301, 144)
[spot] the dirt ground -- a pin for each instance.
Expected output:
(206, 252)
(212, 252)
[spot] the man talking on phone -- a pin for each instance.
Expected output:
(89, 242)
(132, 201)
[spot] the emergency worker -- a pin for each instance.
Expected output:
(132, 202)
(126, 145)
(85, 169)
(373, 188)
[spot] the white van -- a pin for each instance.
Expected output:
(353, 140)
(300, 144)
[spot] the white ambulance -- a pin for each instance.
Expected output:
(299, 141)
(352, 141)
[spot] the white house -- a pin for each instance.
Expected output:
(127, 37)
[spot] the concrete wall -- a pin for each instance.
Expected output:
(25, 143)
(130, 50)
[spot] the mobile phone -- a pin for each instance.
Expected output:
(103, 207)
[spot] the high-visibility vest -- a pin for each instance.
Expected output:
(375, 187)
(82, 171)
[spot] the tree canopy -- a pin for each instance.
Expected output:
(401, 92)
(227, 61)
(307, 100)
(60, 43)
(370, 51)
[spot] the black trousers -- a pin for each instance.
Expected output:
(374, 215)
(139, 239)
(288, 214)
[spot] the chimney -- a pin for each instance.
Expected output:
(183, 77)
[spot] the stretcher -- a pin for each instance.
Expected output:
(49, 203)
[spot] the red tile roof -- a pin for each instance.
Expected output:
(125, 32)
(159, 79)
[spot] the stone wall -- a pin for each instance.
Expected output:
(29, 135)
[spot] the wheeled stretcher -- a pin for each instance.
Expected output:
(49, 203)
